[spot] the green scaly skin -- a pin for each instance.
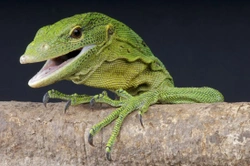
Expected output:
(96, 50)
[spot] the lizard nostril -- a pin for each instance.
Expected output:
(45, 47)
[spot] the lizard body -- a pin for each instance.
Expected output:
(96, 50)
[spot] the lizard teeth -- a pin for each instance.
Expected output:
(53, 68)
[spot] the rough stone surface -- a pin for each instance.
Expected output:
(183, 134)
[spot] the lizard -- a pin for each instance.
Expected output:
(96, 50)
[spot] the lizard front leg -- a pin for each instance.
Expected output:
(75, 99)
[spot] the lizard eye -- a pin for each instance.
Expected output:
(76, 32)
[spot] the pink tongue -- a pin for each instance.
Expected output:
(49, 67)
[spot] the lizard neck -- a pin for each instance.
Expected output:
(136, 77)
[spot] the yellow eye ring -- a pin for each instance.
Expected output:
(76, 32)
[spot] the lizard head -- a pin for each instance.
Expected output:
(64, 45)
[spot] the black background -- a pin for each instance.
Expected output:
(201, 43)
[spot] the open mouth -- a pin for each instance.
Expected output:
(58, 62)
(52, 69)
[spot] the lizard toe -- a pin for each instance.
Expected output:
(90, 139)
(46, 99)
(108, 154)
(140, 118)
(67, 106)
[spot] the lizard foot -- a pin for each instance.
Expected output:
(128, 105)
(73, 99)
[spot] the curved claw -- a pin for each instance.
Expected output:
(45, 99)
(67, 105)
(140, 117)
(108, 156)
(92, 102)
(90, 140)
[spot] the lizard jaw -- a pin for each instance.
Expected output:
(52, 71)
